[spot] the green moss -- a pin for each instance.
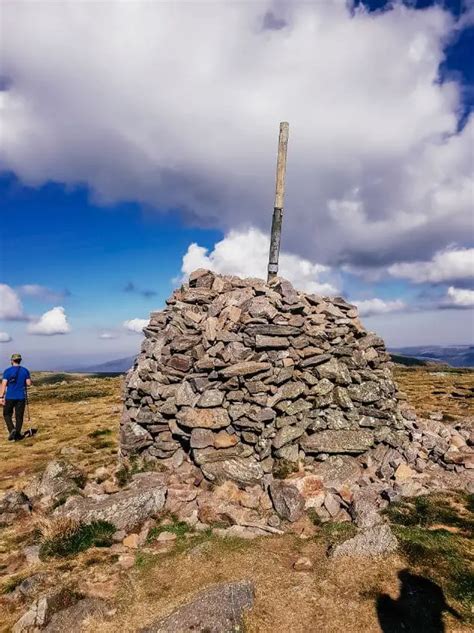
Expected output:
(435, 534)
(314, 517)
(283, 468)
(100, 433)
(425, 511)
(12, 583)
(180, 528)
(337, 532)
(95, 534)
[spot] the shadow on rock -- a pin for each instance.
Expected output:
(420, 607)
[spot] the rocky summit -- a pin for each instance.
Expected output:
(247, 382)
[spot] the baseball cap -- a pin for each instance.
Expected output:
(16, 357)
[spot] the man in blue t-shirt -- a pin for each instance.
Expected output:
(15, 381)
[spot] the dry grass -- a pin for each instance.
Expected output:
(429, 390)
(78, 419)
(68, 417)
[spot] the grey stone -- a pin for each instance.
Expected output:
(366, 392)
(375, 541)
(350, 441)
(248, 368)
(43, 609)
(211, 398)
(73, 618)
(201, 438)
(335, 372)
(126, 509)
(322, 387)
(218, 609)
(244, 471)
(203, 418)
(60, 479)
(185, 396)
(271, 342)
(287, 501)
(286, 435)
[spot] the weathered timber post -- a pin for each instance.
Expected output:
(275, 238)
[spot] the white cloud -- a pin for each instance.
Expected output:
(10, 304)
(460, 297)
(108, 335)
(446, 265)
(369, 307)
(52, 322)
(5, 337)
(179, 107)
(41, 292)
(245, 253)
(135, 325)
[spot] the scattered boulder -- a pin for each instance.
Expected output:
(219, 609)
(43, 609)
(59, 480)
(12, 504)
(74, 618)
(287, 501)
(374, 541)
(127, 509)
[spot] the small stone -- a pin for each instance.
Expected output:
(201, 438)
(287, 501)
(126, 561)
(404, 472)
(303, 564)
(224, 440)
(211, 398)
(244, 369)
(203, 418)
(132, 541)
(166, 537)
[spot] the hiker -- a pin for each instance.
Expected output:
(13, 395)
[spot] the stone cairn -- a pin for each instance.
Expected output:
(254, 383)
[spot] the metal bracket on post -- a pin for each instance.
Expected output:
(277, 220)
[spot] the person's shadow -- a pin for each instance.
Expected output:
(419, 608)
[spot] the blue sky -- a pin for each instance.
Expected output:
(129, 158)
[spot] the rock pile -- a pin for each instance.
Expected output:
(248, 379)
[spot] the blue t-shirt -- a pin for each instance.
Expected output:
(17, 377)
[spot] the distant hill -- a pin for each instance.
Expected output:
(454, 355)
(118, 366)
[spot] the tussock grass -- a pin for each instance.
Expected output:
(436, 535)
(63, 536)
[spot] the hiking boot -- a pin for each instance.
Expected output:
(12, 436)
(18, 437)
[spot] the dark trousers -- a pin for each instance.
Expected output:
(17, 406)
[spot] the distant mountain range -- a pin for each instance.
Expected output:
(454, 355)
(118, 366)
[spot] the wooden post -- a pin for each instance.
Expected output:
(275, 238)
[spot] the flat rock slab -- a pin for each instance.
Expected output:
(76, 616)
(357, 441)
(375, 541)
(215, 610)
(144, 498)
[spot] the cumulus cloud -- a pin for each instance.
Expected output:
(446, 265)
(370, 307)
(41, 292)
(245, 253)
(5, 337)
(11, 308)
(460, 297)
(178, 106)
(52, 322)
(135, 325)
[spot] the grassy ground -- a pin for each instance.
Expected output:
(430, 577)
